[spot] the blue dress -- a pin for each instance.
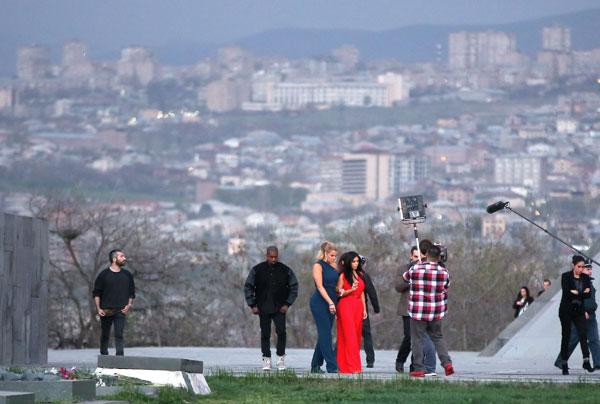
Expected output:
(324, 320)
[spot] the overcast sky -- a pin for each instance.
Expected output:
(156, 22)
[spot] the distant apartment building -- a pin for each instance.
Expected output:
(555, 57)
(586, 61)
(493, 226)
(519, 170)
(480, 50)
(367, 175)
(556, 38)
(330, 170)
(75, 62)
(235, 61)
(137, 64)
(384, 92)
(7, 98)
(458, 195)
(555, 64)
(225, 95)
(33, 62)
(406, 170)
(347, 56)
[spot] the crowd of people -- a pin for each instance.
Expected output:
(343, 289)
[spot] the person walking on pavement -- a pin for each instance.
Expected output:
(270, 289)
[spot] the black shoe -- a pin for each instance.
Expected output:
(597, 367)
(370, 365)
(587, 366)
(400, 367)
(317, 371)
(565, 369)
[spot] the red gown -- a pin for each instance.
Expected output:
(349, 312)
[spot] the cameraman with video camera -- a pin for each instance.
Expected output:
(403, 288)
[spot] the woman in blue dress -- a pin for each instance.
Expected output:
(322, 307)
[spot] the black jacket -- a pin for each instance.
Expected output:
(269, 287)
(370, 293)
(518, 308)
(572, 305)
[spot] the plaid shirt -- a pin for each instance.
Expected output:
(428, 298)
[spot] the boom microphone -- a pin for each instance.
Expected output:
(495, 207)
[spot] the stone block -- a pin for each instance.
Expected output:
(16, 397)
(59, 390)
(149, 363)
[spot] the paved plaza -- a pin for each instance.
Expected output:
(469, 366)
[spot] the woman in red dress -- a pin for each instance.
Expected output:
(351, 310)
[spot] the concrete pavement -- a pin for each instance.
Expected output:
(468, 365)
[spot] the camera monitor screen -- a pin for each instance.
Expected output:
(411, 208)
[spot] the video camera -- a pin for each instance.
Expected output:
(443, 252)
(412, 211)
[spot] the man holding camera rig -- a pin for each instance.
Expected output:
(403, 288)
(427, 307)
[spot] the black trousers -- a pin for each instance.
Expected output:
(578, 321)
(368, 341)
(404, 350)
(265, 333)
(106, 322)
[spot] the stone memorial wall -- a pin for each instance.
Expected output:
(23, 290)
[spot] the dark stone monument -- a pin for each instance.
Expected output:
(23, 290)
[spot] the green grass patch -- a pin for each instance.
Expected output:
(287, 387)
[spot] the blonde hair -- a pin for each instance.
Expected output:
(326, 247)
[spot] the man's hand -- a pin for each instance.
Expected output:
(101, 312)
(254, 310)
(126, 309)
(284, 309)
(587, 316)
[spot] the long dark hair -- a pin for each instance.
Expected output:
(346, 261)
(519, 297)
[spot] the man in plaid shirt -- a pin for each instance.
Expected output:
(427, 307)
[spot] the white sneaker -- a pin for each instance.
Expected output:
(266, 363)
(430, 374)
(281, 362)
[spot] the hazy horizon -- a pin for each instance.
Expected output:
(159, 22)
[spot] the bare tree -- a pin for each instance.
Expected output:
(82, 234)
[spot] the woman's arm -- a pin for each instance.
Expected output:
(339, 287)
(317, 271)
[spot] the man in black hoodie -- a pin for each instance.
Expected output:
(270, 289)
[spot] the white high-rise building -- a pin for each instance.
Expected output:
(556, 38)
(367, 174)
(479, 50)
(33, 62)
(408, 170)
(137, 64)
